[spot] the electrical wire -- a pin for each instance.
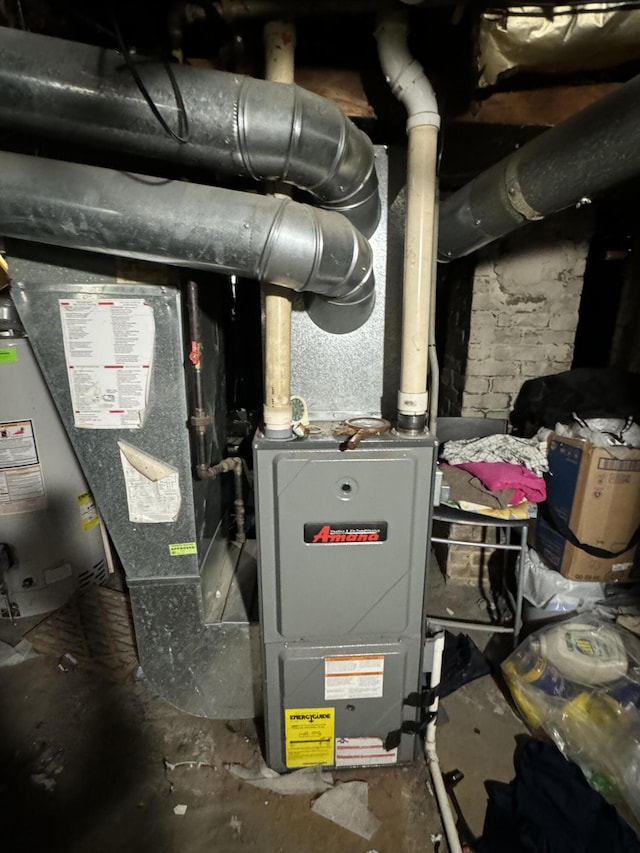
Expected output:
(183, 134)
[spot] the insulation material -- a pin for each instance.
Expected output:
(563, 39)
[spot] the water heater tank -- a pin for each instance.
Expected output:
(51, 540)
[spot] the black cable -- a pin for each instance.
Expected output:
(183, 134)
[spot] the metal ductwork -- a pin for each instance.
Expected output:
(592, 151)
(118, 213)
(238, 126)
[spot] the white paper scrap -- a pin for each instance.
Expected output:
(153, 487)
(307, 780)
(348, 806)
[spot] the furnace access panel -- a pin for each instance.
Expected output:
(343, 545)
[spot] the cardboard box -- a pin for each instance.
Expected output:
(596, 491)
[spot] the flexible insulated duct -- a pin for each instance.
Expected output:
(270, 239)
(238, 126)
(588, 153)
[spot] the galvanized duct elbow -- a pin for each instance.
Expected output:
(118, 213)
(592, 151)
(238, 126)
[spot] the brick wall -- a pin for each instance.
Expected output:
(515, 320)
(524, 312)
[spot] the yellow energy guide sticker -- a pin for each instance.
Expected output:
(309, 736)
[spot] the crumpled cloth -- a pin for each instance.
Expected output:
(464, 486)
(498, 448)
(497, 476)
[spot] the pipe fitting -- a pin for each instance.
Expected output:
(403, 73)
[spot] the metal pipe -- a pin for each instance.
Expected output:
(238, 126)
(280, 40)
(567, 165)
(199, 419)
(118, 213)
(409, 84)
(233, 464)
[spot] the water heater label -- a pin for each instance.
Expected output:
(21, 482)
(351, 533)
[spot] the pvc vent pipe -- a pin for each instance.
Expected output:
(238, 126)
(118, 213)
(410, 85)
(279, 42)
(592, 151)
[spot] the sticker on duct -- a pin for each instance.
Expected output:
(153, 487)
(108, 346)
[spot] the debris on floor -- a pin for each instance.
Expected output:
(95, 630)
(307, 780)
(348, 805)
(12, 655)
(180, 809)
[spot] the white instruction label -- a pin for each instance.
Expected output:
(21, 482)
(353, 677)
(108, 347)
(153, 487)
(363, 751)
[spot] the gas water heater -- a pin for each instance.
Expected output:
(50, 536)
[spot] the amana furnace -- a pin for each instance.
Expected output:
(316, 621)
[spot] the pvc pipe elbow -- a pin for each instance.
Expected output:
(403, 73)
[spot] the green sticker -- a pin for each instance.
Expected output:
(8, 355)
(179, 548)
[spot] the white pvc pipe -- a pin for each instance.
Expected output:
(442, 798)
(410, 85)
(280, 41)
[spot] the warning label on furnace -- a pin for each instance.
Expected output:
(21, 482)
(353, 677)
(108, 347)
(363, 752)
(309, 735)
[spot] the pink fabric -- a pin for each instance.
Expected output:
(505, 475)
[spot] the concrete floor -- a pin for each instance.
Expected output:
(83, 767)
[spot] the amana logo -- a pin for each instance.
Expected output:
(355, 533)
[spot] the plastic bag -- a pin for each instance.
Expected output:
(601, 432)
(579, 681)
(545, 588)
